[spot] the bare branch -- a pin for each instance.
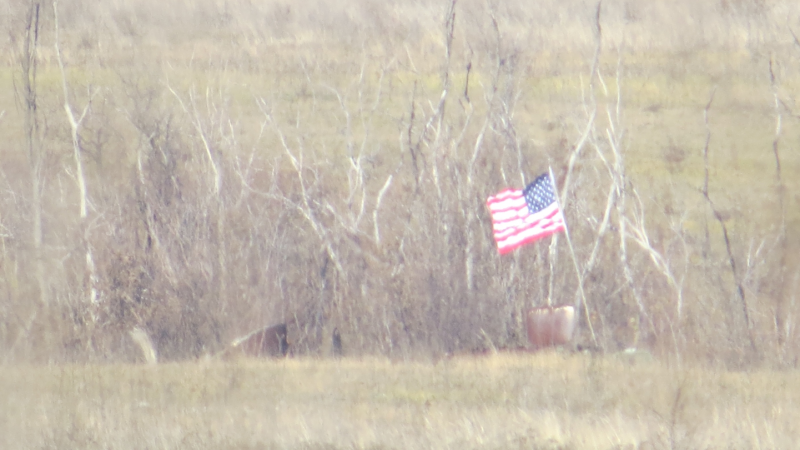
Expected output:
(732, 261)
(378, 199)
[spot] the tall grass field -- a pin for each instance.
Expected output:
(177, 175)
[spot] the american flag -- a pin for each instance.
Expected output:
(523, 216)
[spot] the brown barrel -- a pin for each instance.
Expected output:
(550, 326)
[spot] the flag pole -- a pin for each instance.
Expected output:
(574, 260)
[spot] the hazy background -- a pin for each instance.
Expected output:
(195, 170)
(233, 164)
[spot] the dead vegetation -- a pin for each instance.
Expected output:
(200, 171)
(174, 176)
(547, 400)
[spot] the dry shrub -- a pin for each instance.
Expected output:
(257, 163)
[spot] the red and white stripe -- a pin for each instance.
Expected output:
(514, 225)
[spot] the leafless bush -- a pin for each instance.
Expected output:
(269, 163)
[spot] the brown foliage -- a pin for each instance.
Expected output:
(254, 163)
(269, 341)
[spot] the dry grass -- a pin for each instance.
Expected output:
(548, 400)
(297, 59)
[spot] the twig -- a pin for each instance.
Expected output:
(75, 125)
(378, 199)
(736, 279)
(781, 191)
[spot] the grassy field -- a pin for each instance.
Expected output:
(542, 401)
(183, 91)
